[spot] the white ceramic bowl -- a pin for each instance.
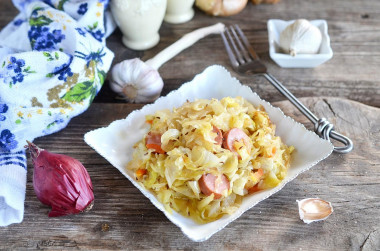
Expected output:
(115, 142)
(276, 26)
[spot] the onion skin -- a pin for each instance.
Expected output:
(61, 182)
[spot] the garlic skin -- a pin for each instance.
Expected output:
(301, 37)
(137, 81)
(221, 7)
(314, 209)
(140, 82)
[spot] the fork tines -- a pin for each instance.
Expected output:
(238, 48)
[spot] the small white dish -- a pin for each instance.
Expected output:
(276, 26)
(115, 142)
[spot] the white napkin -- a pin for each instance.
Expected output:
(53, 62)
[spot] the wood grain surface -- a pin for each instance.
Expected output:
(122, 218)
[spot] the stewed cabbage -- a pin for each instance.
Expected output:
(189, 143)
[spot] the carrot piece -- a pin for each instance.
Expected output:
(140, 172)
(157, 148)
(254, 189)
(259, 173)
(150, 121)
(272, 153)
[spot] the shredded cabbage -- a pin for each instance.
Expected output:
(191, 150)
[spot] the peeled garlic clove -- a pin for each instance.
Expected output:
(314, 209)
(221, 7)
(301, 37)
(136, 81)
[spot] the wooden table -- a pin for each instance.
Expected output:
(122, 218)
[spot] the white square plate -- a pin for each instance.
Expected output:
(276, 26)
(115, 142)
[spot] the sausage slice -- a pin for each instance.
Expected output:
(219, 136)
(209, 184)
(233, 135)
(153, 141)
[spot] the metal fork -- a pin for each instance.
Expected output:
(244, 59)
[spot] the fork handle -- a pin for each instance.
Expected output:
(321, 126)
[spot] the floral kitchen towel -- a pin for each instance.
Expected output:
(53, 62)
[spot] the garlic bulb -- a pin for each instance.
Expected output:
(314, 209)
(221, 7)
(301, 37)
(140, 82)
(137, 81)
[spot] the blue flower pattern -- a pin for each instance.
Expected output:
(18, 22)
(92, 56)
(96, 33)
(81, 32)
(18, 78)
(64, 70)
(7, 141)
(57, 120)
(46, 36)
(16, 64)
(40, 35)
(42, 39)
(82, 9)
(3, 109)
(15, 71)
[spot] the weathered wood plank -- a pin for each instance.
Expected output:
(122, 218)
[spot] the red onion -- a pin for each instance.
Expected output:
(61, 182)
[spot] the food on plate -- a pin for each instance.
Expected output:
(202, 158)
(300, 37)
(221, 7)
